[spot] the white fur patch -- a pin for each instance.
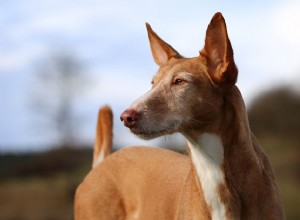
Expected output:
(136, 214)
(207, 156)
(140, 102)
(212, 144)
(100, 158)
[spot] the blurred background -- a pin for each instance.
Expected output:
(61, 60)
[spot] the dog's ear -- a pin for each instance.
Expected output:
(218, 53)
(161, 51)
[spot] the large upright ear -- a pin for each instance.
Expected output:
(218, 53)
(161, 51)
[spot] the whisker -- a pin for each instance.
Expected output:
(202, 122)
(209, 103)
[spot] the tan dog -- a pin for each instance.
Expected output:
(226, 176)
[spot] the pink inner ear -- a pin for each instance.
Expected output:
(161, 51)
(216, 58)
(160, 56)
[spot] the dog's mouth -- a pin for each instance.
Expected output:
(147, 135)
(150, 134)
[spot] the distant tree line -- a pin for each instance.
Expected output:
(276, 112)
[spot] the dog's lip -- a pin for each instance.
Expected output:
(139, 132)
(148, 134)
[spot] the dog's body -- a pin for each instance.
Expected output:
(226, 176)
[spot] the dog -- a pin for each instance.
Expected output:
(226, 174)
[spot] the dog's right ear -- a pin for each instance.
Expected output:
(161, 51)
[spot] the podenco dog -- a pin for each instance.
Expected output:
(225, 176)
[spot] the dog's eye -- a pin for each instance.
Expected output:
(178, 81)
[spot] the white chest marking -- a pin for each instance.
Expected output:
(207, 156)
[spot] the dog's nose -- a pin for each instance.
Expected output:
(130, 117)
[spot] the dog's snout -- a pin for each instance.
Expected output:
(130, 117)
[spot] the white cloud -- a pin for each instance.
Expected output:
(117, 86)
(286, 24)
(18, 58)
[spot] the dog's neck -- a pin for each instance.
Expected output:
(207, 155)
(221, 157)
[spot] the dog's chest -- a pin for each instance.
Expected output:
(207, 156)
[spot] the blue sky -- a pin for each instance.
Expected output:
(110, 37)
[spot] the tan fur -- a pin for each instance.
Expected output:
(192, 96)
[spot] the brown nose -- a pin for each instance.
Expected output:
(130, 117)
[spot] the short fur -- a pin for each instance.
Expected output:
(196, 97)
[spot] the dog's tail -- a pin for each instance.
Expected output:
(103, 140)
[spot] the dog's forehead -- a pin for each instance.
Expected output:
(195, 66)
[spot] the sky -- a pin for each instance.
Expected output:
(111, 40)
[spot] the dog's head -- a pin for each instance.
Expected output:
(187, 93)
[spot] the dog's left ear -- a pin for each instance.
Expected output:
(218, 53)
(161, 51)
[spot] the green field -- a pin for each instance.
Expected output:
(41, 186)
(285, 158)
